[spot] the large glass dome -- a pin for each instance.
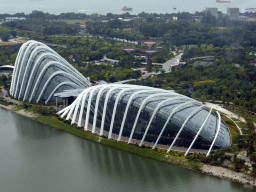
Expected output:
(39, 72)
(148, 115)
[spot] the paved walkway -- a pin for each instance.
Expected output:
(4, 94)
(229, 114)
(172, 62)
(225, 111)
(247, 159)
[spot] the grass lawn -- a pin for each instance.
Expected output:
(233, 134)
(29, 110)
(241, 124)
(7, 43)
(17, 108)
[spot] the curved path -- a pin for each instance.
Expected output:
(229, 114)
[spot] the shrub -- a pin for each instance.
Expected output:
(26, 105)
(214, 163)
(41, 109)
(4, 102)
(253, 173)
(195, 166)
(238, 163)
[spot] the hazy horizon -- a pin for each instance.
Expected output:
(114, 6)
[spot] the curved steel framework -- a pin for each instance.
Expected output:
(39, 72)
(148, 116)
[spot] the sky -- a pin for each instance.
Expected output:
(115, 6)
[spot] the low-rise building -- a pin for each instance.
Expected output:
(212, 10)
(252, 64)
(9, 19)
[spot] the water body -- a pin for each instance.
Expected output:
(114, 6)
(35, 157)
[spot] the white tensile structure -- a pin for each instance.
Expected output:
(40, 72)
(148, 115)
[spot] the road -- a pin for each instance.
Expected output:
(172, 62)
(166, 66)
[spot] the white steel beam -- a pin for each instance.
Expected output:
(67, 110)
(97, 105)
(79, 98)
(74, 104)
(142, 106)
(71, 110)
(154, 113)
(17, 66)
(170, 116)
(185, 122)
(35, 68)
(62, 110)
(89, 106)
(49, 80)
(198, 133)
(29, 66)
(115, 107)
(52, 63)
(85, 93)
(105, 106)
(134, 95)
(216, 135)
(23, 66)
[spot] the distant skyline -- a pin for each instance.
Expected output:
(115, 6)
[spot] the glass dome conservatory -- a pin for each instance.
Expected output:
(146, 114)
(39, 72)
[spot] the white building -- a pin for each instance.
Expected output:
(8, 19)
(243, 18)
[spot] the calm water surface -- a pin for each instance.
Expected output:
(114, 6)
(36, 157)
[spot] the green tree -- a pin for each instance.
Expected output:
(4, 80)
(253, 157)
(5, 37)
(203, 99)
(13, 57)
(156, 68)
(13, 33)
(250, 124)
